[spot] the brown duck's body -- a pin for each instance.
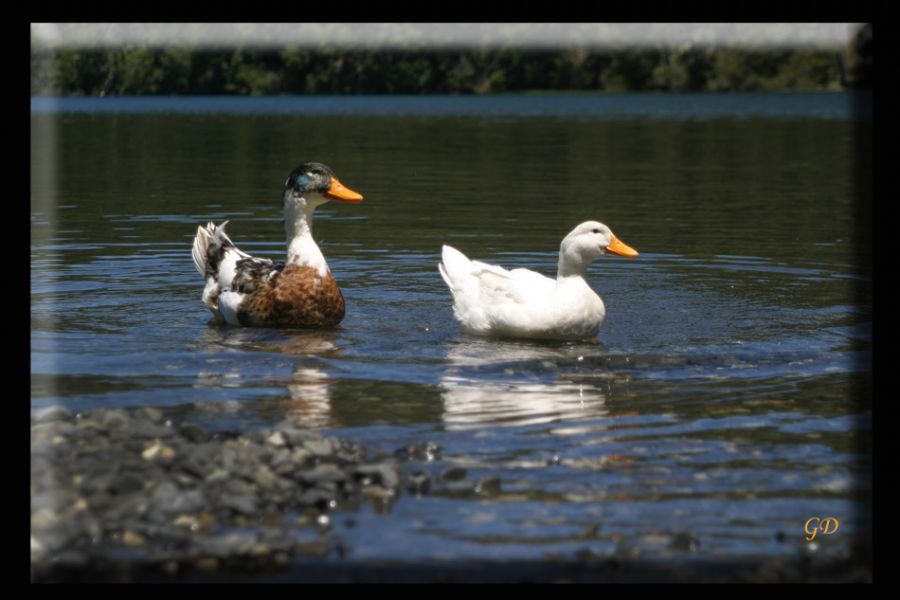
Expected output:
(297, 297)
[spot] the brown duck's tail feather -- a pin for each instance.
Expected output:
(211, 242)
(202, 241)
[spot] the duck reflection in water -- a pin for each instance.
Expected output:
(295, 359)
(491, 383)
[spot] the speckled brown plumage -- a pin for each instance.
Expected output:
(298, 297)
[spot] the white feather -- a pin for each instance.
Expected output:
(229, 302)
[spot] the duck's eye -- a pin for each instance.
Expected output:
(595, 231)
(304, 179)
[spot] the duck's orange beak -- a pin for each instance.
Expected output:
(617, 246)
(337, 191)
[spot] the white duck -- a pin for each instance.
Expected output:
(493, 301)
(300, 293)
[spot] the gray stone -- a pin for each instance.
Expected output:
(453, 474)
(241, 503)
(149, 413)
(114, 419)
(489, 486)
(419, 483)
(189, 501)
(194, 433)
(383, 474)
(51, 413)
(296, 437)
(323, 473)
(318, 447)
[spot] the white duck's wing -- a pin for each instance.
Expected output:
(230, 272)
(488, 296)
(517, 286)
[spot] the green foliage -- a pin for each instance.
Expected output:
(138, 70)
(859, 59)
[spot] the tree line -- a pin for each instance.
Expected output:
(182, 70)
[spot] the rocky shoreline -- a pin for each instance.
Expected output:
(133, 496)
(111, 486)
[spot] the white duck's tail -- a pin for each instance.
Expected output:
(460, 275)
(455, 268)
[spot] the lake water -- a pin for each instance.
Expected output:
(728, 395)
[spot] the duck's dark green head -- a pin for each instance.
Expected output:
(316, 178)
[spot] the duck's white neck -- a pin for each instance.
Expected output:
(302, 248)
(571, 264)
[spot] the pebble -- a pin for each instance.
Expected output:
(318, 447)
(157, 450)
(193, 432)
(685, 542)
(276, 439)
(419, 483)
(489, 486)
(384, 474)
(243, 503)
(454, 474)
(419, 451)
(51, 413)
(126, 483)
(114, 419)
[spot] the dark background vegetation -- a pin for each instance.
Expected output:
(183, 70)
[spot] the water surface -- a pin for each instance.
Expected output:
(727, 394)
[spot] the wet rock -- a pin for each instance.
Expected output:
(51, 413)
(276, 439)
(148, 413)
(163, 496)
(148, 430)
(217, 476)
(264, 477)
(489, 486)
(238, 487)
(684, 542)
(317, 498)
(87, 428)
(194, 433)
(125, 483)
(158, 451)
(384, 474)
(296, 437)
(96, 483)
(419, 483)
(44, 519)
(188, 501)
(285, 462)
(322, 473)
(114, 419)
(453, 474)
(132, 538)
(228, 545)
(241, 503)
(194, 467)
(382, 499)
(419, 451)
(318, 448)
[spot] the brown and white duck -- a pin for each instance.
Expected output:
(301, 292)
